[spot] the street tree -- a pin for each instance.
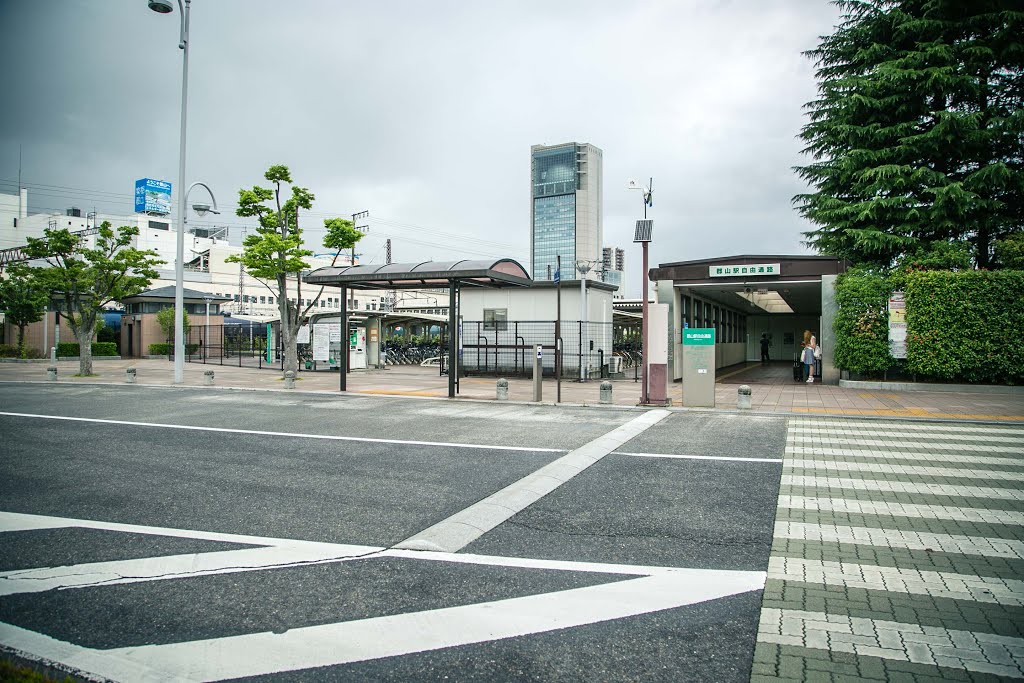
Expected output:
(84, 279)
(917, 134)
(23, 301)
(165, 319)
(275, 253)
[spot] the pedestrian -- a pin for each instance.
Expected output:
(809, 345)
(765, 343)
(817, 359)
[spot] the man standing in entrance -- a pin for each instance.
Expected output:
(765, 343)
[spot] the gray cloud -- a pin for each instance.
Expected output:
(424, 112)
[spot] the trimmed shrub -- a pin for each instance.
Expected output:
(862, 322)
(9, 351)
(166, 349)
(966, 326)
(71, 349)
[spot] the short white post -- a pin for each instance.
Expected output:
(289, 380)
(51, 373)
(606, 392)
(743, 395)
(208, 378)
(129, 375)
(502, 389)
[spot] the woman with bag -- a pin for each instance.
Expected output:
(807, 355)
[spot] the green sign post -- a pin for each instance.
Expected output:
(699, 367)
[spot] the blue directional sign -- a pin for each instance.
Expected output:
(152, 196)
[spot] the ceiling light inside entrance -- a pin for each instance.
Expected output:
(768, 301)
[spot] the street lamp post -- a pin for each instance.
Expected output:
(165, 7)
(643, 235)
(583, 267)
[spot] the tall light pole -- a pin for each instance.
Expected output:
(355, 217)
(643, 235)
(583, 267)
(165, 7)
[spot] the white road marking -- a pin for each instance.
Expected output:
(168, 567)
(895, 538)
(944, 490)
(13, 521)
(698, 457)
(469, 524)
(16, 521)
(374, 638)
(894, 509)
(893, 579)
(884, 468)
(294, 435)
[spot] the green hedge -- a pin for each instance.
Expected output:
(9, 351)
(961, 326)
(163, 349)
(966, 326)
(862, 322)
(66, 349)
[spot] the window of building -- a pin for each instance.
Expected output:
(263, 299)
(495, 318)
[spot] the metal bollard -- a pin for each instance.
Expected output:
(129, 375)
(53, 355)
(51, 373)
(289, 380)
(208, 378)
(606, 392)
(502, 389)
(743, 397)
(538, 375)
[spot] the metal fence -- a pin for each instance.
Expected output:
(241, 345)
(500, 348)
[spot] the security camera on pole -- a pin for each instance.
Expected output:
(644, 229)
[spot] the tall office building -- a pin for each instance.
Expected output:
(613, 267)
(566, 208)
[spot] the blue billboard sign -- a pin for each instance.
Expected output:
(152, 196)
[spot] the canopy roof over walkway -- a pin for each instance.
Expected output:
(451, 275)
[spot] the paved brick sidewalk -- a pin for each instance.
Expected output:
(773, 389)
(898, 554)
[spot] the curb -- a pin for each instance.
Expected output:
(919, 386)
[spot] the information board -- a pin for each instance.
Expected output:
(897, 325)
(699, 367)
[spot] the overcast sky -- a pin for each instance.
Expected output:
(424, 112)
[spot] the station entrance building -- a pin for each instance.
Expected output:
(745, 296)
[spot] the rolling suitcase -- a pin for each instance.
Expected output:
(798, 371)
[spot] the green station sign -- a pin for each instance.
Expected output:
(699, 336)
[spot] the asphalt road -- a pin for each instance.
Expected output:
(228, 534)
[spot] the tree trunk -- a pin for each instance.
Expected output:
(21, 340)
(84, 336)
(291, 354)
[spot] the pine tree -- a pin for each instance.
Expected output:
(918, 131)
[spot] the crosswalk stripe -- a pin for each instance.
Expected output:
(932, 645)
(894, 538)
(967, 458)
(900, 443)
(931, 435)
(945, 490)
(892, 579)
(883, 468)
(904, 427)
(895, 509)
